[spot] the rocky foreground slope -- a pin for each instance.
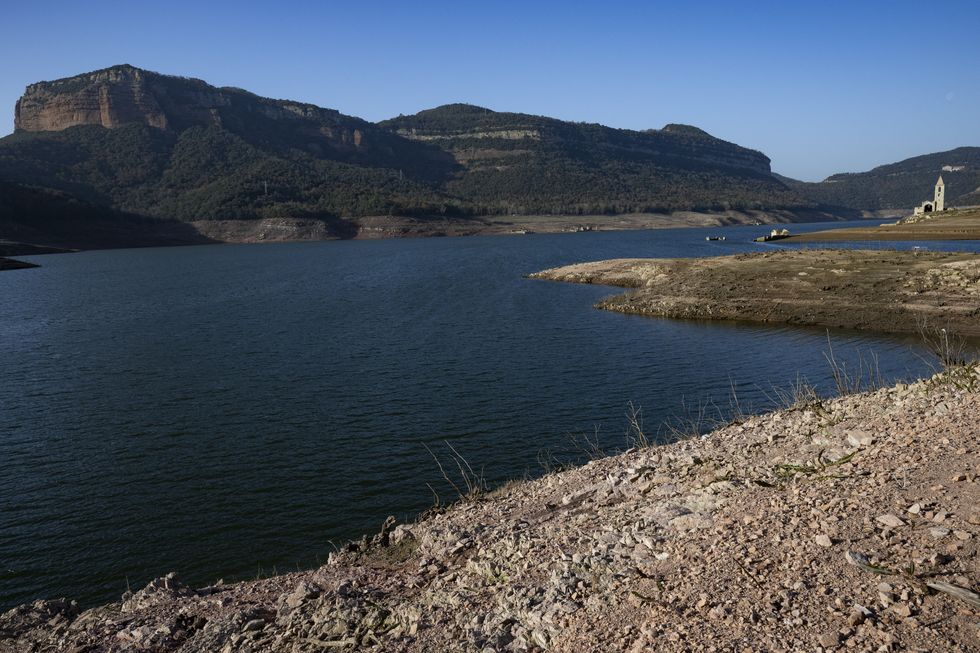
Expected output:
(849, 524)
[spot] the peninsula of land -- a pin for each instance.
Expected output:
(12, 264)
(883, 291)
(954, 224)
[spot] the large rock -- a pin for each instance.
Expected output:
(109, 97)
(40, 614)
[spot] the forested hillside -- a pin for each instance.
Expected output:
(902, 185)
(141, 144)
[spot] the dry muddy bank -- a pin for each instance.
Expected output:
(885, 291)
(963, 224)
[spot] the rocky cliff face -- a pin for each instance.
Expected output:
(125, 95)
(108, 97)
(126, 99)
(111, 98)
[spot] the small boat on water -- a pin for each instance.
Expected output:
(714, 238)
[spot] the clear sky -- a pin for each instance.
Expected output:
(820, 87)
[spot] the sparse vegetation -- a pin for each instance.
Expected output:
(862, 376)
(635, 435)
(466, 482)
(949, 348)
(922, 580)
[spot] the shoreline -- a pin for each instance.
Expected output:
(215, 232)
(951, 225)
(881, 291)
(13, 264)
(751, 536)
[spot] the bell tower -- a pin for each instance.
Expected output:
(939, 204)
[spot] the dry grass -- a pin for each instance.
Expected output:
(466, 482)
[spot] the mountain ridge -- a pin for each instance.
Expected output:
(900, 185)
(177, 149)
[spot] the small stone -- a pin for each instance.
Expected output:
(858, 438)
(891, 521)
(823, 540)
(858, 615)
(962, 535)
(254, 624)
(718, 612)
(301, 593)
(829, 640)
(958, 478)
(885, 594)
(914, 509)
(938, 532)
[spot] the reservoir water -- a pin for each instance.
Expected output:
(224, 411)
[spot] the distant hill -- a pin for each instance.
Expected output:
(524, 164)
(139, 144)
(901, 185)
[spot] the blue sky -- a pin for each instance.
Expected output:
(820, 87)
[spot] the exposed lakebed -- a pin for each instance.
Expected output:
(228, 410)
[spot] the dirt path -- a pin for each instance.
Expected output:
(884, 291)
(850, 524)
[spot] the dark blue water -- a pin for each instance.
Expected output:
(223, 410)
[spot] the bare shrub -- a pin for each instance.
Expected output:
(467, 482)
(949, 348)
(692, 421)
(801, 394)
(588, 445)
(635, 435)
(864, 376)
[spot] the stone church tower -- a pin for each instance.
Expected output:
(938, 202)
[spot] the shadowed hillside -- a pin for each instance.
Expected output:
(31, 214)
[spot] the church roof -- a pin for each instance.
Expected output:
(940, 182)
